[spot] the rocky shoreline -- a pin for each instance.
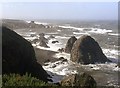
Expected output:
(86, 49)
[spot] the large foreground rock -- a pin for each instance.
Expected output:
(18, 56)
(82, 80)
(87, 51)
(69, 44)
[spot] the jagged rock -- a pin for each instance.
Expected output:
(32, 22)
(87, 51)
(43, 44)
(69, 44)
(55, 42)
(42, 38)
(18, 56)
(41, 34)
(61, 58)
(61, 50)
(82, 80)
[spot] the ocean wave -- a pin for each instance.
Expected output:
(88, 30)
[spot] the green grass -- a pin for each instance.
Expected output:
(25, 80)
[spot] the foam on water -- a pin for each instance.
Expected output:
(93, 30)
(59, 68)
(70, 27)
(36, 22)
(99, 31)
(111, 52)
(76, 33)
(114, 34)
(103, 67)
(41, 23)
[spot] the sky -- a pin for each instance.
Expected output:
(60, 10)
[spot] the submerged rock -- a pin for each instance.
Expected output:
(55, 42)
(18, 56)
(69, 44)
(61, 50)
(82, 80)
(87, 51)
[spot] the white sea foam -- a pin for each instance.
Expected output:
(59, 68)
(36, 22)
(61, 37)
(71, 27)
(111, 52)
(28, 21)
(65, 55)
(103, 67)
(30, 38)
(41, 23)
(114, 34)
(80, 33)
(99, 31)
(93, 30)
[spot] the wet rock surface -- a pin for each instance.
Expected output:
(69, 44)
(87, 51)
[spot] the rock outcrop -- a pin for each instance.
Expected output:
(43, 44)
(69, 44)
(18, 56)
(87, 51)
(82, 80)
(42, 38)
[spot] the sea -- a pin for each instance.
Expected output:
(104, 32)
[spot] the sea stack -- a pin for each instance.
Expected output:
(69, 44)
(86, 50)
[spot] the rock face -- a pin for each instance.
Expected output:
(42, 38)
(43, 44)
(69, 44)
(18, 56)
(82, 80)
(87, 51)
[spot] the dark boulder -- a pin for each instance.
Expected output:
(61, 50)
(87, 51)
(82, 80)
(32, 22)
(55, 42)
(61, 58)
(18, 56)
(69, 44)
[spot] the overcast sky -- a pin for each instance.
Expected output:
(61, 10)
